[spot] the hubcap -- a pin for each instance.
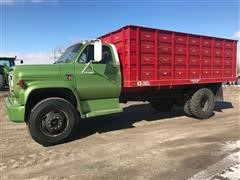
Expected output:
(54, 123)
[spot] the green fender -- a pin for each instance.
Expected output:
(37, 85)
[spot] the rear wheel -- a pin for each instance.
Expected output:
(187, 109)
(202, 103)
(52, 121)
(1, 82)
(161, 106)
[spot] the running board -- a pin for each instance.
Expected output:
(103, 112)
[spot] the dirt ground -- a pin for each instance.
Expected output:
(136, 144)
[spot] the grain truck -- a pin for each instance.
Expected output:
(133, 63)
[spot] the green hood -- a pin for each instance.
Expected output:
(47, 71)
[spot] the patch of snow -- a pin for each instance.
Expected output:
(231, 146)
(232, 173)
(227, 168)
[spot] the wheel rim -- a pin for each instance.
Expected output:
(54, 123)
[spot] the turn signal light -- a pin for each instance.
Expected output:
(21, 83)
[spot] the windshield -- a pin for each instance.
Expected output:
(5, 62)
(69, 54)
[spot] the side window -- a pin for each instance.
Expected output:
(87, 54)
(106, 55)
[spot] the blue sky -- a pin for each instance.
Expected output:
(33, 28)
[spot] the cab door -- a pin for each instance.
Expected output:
(97, 80)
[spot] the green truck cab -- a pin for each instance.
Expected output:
(84, 82)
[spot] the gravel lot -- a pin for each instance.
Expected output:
(136, 144)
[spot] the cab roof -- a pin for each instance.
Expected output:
(10, 58)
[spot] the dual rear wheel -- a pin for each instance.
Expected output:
(200, 104)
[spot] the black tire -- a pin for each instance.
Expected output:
(186, 108)
(161, 106)
(1, 82)
(52, 121)
(202, 103)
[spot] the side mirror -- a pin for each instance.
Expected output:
(21, 61)
(97, 50)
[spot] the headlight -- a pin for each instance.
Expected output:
(10, 82)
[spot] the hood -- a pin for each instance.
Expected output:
(37, 71)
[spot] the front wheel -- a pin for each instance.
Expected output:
(52, 121)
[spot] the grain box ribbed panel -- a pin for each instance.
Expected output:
(153, 57)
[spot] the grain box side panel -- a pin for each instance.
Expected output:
(153, 57)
